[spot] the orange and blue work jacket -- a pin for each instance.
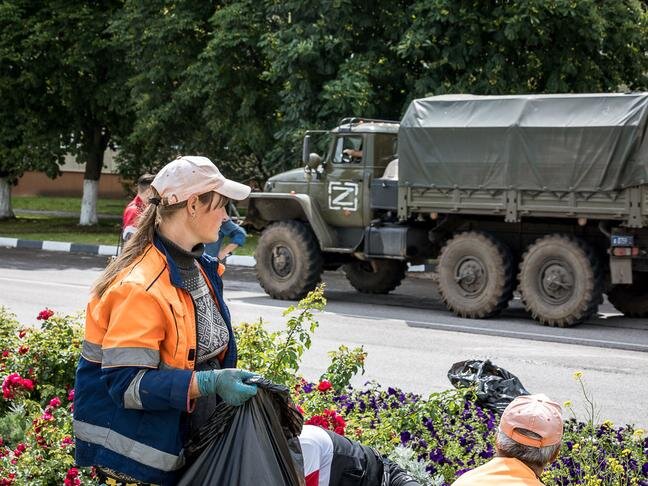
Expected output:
(137, 360)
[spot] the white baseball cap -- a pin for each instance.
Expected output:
(191, 175)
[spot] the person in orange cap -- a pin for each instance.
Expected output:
(528, 439)
(159, 352)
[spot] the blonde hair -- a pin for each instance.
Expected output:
(147, 223)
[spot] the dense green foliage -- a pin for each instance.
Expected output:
(239, 80)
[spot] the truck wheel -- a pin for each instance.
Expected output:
(632, 299)
(476, 276)
(561, 281)
(375, 276)
(288, 260)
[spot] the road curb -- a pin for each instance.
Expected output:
(111, 250)
(62, 246)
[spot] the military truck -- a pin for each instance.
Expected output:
(546, 194)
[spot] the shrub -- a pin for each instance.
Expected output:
(436, 438)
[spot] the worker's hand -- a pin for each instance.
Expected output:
(228, 384)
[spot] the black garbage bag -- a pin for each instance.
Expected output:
(254, 444)
(496, 387)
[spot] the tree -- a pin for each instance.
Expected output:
(536, 46)
(85, 71)
(245, 78)
(163, 40)
(26, 106)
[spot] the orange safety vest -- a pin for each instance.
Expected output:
(499, 471)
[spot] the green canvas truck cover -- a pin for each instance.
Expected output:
(566, 142)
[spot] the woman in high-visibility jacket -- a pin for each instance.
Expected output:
(159, 351)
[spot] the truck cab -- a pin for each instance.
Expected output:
(329, 203)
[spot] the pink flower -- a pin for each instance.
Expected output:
(67, 440)
(5, 353)
(324, 386)
(70, 395)
(45, 314)
(47, 415)
(55, 402)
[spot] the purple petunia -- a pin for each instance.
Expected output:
(405, 437)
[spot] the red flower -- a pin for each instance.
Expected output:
(67, 440)
(22, 333)
(330, 420)
(23, 349)
(324, 385)
(71, 478)
(55, 402)
(5, 353)
(45, 314)
(27, 384)
(14, 382)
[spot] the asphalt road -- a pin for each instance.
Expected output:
(411, 339)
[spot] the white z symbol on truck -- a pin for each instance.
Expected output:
(343, 195)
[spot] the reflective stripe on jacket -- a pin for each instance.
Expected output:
(137, 359)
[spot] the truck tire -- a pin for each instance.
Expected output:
(631, 300)
(376, 276)
(561, 280)
(476, 276)
(289, 262)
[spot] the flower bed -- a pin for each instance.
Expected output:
(436, 438)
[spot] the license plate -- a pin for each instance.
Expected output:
(622, 240)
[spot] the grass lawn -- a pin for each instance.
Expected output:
(73, 204)
(43, 227)
(250, 245)
(35, 227)
(60, 229)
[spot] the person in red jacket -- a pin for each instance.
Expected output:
(136, 206)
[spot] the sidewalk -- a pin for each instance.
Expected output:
(111, 250)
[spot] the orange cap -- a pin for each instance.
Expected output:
(536, 413)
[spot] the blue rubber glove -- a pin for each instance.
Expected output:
(228, 384)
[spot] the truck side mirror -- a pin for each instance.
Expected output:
(306, 150)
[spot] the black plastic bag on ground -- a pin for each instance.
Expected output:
(254, 444)
(496, 387)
